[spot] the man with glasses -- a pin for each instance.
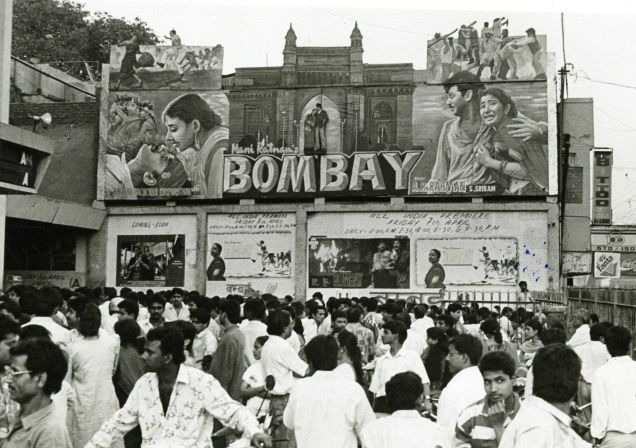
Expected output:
(37, 370)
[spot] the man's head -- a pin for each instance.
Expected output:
(354, 314)
(339, 320)
(498, 370)
(404, 391)
(444, 321)
(618, 340)
(9, 337)
(556, 369)
(254, 309)
(37, 368)
(128, 309)
(420, 310)
(463, 351)
(531, 32)
(230, 312)
(394, 331)
(581, 317)
(279, 323)
(552, 336)
(434, 255)
(176, 298)
(215, 250)
(164, 345)
(156, 306)
(200, 318)
(523, 286)
(454, 310)
(319, 106)
(319, 314)
(128, 331)
(462, 90)
(322, 353)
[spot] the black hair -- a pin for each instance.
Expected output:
(464, 81)
(397, 327)
(437, 334)
(420, 310)
(349, 342)
(405, 318)
(534, 323)
(354, 314)
(187, 329)
(33, 331)
(552, 336)
(200, 314)
(598, 331)
(277, 322)
(172, 341)
(254, 309)
(495, 361)
(438, 253)
(453, 307)
(232, 310)
(503, 98)
(130, 306)
(403, 391)
(618, 340)
(491, 328)
(128, 331)
(339, 314)
(322, 352)
(156, 298)
(8, 326)
(90, 321)
(556, 369)
(11, 307)
(469, 345)
(43, 356)
(261, 340)
(191, 107)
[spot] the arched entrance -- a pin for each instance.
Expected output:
(333, 131)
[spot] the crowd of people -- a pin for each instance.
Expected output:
(102, 368)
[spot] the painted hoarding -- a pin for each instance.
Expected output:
(250, 252)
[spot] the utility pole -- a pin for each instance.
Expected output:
(564, 157)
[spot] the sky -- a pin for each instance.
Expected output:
(598, 43)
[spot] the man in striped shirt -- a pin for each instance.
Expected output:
(481, 424)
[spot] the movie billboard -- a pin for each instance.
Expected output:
(364, 253)
(154, 67)
(491, 139)
(151, 251)
(251, 253)
(488, 51)
(375, 263)
(148, 152)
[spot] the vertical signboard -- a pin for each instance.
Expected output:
(602, 187)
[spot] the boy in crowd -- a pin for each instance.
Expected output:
(481, 425)
(404, 428)
(543, 420)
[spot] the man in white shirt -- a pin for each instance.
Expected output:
(315, 322)
(204, 344)
(614, 394)
(396, 360)
(422, 321)
(582, 333)
(414, 341)
(325, 409)
(405, 427)
(253, 327)
(465, 388)
(175, 309)
(282, 362)
(175, 404)
(543, 420)
(44, 307)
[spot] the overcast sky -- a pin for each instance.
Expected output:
(599, 42)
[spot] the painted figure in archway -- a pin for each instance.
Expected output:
(320, 120)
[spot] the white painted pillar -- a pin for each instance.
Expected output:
(6, 18)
